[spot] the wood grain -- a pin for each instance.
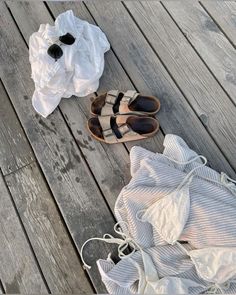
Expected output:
(52, 246)
(224, 14)
(74, 188)
(15, 152)
(19, 271)
(109, 164)
(114, 76)
(205, 95)
(145, 69)
(69, 158)
(210, 42)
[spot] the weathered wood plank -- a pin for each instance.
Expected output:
(15, 152)
(114, 76)
(213, 107)
(19, 271)
(109, 164)
(78, 197)
(145, 69)
(210, 42)
(58, 257)
(52, 246)
(224, 14)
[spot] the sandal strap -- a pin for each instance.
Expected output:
(108, 134)
(110, 137)
(128, 134)
(129, 96)
(112, 96)
(105, 122)
(124, 129)
(110, 100)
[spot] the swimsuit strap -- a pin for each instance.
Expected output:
(123, 243)
(225, 180)
(215, 288)
(189, 176)
(187, 179)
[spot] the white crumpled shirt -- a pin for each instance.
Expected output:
(77, 72)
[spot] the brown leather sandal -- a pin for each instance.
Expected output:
(122, 128)
(114, 102)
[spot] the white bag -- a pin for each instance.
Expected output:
(76, 72)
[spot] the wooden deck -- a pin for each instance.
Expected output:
(57, 185)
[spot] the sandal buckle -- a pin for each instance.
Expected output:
(107, 132)
(111, 99)
(126, 100)
(123, 129)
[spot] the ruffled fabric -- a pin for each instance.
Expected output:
(180, 216)
(79, 69)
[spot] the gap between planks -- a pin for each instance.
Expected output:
(26, 222)
(168, 64)
(83, 197)
(22, 248)
(227, 28)
(194, 48)
(209, 41)
(124, 48)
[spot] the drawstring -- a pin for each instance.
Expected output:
(188, 162)
(214, 289)
(228, 182)
(225, 180)
(220, 287)
(139, 214)
(123, 243)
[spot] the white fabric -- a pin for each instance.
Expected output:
(175, 205)
(142, 273)
(216, 265)
(149, 282)
(77, 72)
(197, 206)
(168, 285)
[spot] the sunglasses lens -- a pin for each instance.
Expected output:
(55, 51)
(67, 39)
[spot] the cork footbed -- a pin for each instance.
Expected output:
(145, 126)
(147, 104)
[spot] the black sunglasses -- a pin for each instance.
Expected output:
(55, 50)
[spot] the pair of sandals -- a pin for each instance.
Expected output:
(122, 117)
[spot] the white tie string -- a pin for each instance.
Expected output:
(123, 243)
(220, 287)
(225, 180)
